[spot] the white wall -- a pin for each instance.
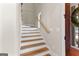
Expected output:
(37, 9)
(0, 28)
(53, 18)
(28, 14)
(9, 29)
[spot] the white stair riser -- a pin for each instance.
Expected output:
(30, 34)
(25, 26)
(29, 31)
(31, 38)
(33, 42)
(32, 49)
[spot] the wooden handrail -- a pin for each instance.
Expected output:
(45, 28)
(42, 24)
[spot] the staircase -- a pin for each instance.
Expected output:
(32, 42)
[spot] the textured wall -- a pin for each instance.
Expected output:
(53, 18)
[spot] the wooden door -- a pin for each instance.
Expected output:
(70, 51)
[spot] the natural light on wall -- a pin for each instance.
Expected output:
(39, 19)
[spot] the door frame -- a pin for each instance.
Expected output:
(67, 28)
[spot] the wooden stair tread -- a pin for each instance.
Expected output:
(30, 36)
(31, 40)
(31, 53)
(47, 55)
(32, 45)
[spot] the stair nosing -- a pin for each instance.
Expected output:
(32, 49)
(31, 40)
(32, 45)
(30, 36)
(31, 53)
